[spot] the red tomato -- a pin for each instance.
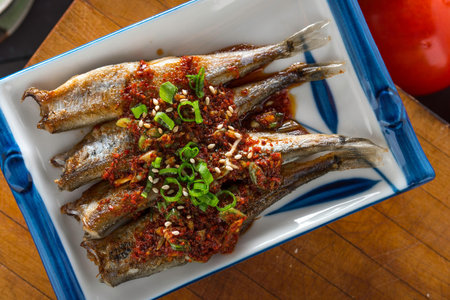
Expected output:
(413, 37)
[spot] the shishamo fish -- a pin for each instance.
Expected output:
(96, 96)
(154, 243)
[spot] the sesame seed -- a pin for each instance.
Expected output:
(184, 99)
(170, 192)
(192, 161)
(147, 125)
(231, 127)
(228, 154)
(222, 161)
(177, 166)
(207, 100)
(217, 170)
(157, 107)
(210, 146)
(250, 155)
(220, 126)
(268, 103)
(229, 168)
(141, 123)
(230, 108)
(188, 217)
(175, 129)
(185, 193)
(254, 124)
(238, 135)
(229, 113)
(155, 101)
(180, 207)
(160, 130)
(165, 187)
(155, 181)
(155, 190)
(153, 112)
(154, 170)
(168, 223)
(184, 92)
(144, 115)
(170, 109)
(150, 178)
(212, 90)
(175, 232)
(238, 156)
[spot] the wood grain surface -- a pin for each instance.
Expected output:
(398, 249)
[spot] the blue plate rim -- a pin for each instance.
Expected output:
(380, 91)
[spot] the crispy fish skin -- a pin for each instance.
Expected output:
(91, 156)
(95, 96)
(113, 253)
(98, 206)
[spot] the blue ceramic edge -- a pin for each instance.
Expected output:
(381, 92)
(43, 232)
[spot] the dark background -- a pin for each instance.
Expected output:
(16, 50)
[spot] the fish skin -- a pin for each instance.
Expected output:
(88, 159)
(95, 96)
(296, 147)
(97, 208)
(112, 254)
(250, 95)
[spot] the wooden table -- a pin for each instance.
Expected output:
(397, 249)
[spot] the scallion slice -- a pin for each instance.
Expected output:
(197, 188)
(138, 110)
(166, 92)
(181, 115)
(147, 189)
(197, 113)
(177, 196)
(197, 82)
(141, 142)
(188, 152)
(184, 170)
(202, 168)
(228, 206)
(170, 171)
(210, 199)
(165, 120)
(157, 162)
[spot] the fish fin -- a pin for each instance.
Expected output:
(309, 38)
(319, 71)
(40, 96)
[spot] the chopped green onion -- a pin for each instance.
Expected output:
(171, 171)
(153, 132)
(166, 92)
(197, 82)
(184, 176)
(141, 142)
(231, 205)
(203, 206)
(123, 122)
(181, 115)
(147, 189)
(188, 152)
(178, 247)
(139, 110)
(202, 168)
(231, 211)
(209, 199)
(197, 188)
(157, 162)
(197, 113)
(161, 206)
(164, 119)
(177, 196)
(173, 213)
(194, 201)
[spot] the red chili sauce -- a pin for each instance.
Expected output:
(183, 227)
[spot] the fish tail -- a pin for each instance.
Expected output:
(309, 38)
(315, 72)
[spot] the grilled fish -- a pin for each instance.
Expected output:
(89, 158)
(115, 254)
(96, 96)
(98, 218)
